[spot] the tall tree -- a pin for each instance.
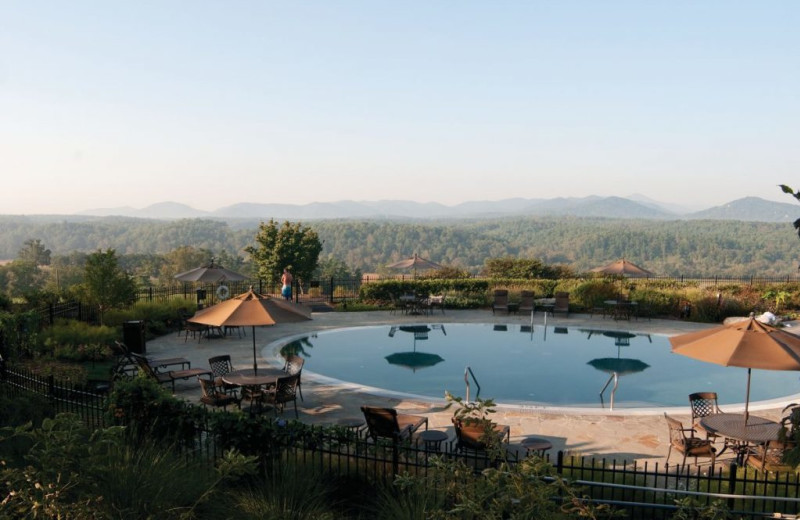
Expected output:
(290, 245)
(34, 252)
(106, 284)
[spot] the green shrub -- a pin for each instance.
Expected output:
(78, 341)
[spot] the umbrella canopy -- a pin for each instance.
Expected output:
(210, 273)
(251, 309)
(620, 366)
(414, 360)
(624, 268)
(747, 343)
(415, 262)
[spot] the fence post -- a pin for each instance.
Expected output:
(732, 484)
(150, 294)
(560, 462)
(51, 312)
(80, 312)
(395, 458)
(51, 387)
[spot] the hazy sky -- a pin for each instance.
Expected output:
(115, 103)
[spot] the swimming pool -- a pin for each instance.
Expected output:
(520, 364)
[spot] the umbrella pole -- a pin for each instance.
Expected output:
(747, 398)
(255, 365)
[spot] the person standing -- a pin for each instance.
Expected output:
(286, 280)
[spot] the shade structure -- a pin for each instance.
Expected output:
(211, 273)
(746, 343)
(414, 360)
(251, 309)
(619, 366)
(416, 263)
(623, 267)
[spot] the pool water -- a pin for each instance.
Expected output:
(519, 364)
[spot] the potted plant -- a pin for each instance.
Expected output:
(474, 428)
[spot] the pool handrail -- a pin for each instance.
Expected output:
(467, 372)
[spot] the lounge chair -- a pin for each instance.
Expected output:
(527, 302)
(474, 436)
(500, 302)
(294, 365)
(688, 445)
(283, 392)
(170, 376)
(214, 397)
(562, 303)
(127, 366)
(389, 424)
(703, 404)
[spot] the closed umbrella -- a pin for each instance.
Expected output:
(415, 262)
(746, 343)
(251, 310)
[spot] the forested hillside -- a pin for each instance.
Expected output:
(689, 248)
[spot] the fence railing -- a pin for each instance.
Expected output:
(643, 490)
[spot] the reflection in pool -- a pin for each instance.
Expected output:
(523, 364)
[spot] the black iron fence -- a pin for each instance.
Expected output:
(643, 490)
(61, 396)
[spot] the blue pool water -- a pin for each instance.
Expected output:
(514, 364)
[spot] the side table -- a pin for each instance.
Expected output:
(354, 424)
(536, 445)
(432, 439)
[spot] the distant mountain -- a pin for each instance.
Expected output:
(664, 206)
(750, 209)
(160, 210)
(747, 209)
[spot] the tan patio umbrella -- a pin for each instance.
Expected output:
(250, 310)
(624, 268)
(747, 343)
(211, 273)
(415, 262)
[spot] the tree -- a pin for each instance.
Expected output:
(292, 245)
(106, 284)
(34, 252)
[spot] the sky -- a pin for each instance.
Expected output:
(113, 103)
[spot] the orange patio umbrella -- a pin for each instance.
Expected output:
(623, 267)
(415, 262)
(746, 343)
(251, 310)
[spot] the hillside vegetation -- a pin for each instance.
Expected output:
(674, 248)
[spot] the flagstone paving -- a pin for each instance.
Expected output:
(624, 435)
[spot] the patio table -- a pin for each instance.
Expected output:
(621, 309)
(545, 304)
(249, 377)
(738, 435)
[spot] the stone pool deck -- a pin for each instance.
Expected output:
(624, 435)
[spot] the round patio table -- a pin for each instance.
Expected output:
(732, 426)
(251, 377)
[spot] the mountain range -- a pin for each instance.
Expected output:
(634, 207)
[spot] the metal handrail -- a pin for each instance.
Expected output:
(468, 372)
(614, 377)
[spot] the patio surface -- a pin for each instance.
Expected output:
(624, 435)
